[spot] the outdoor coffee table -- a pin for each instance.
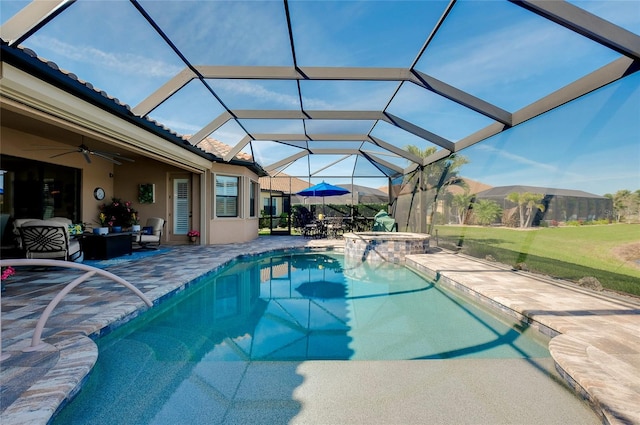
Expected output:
(104, 247)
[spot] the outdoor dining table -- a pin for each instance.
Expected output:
(315, 230)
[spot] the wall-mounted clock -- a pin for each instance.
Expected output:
(98, 193)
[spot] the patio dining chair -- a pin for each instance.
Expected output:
(49, 239)
(335, 227)
(150, 236)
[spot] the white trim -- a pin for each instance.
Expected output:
(240, 206)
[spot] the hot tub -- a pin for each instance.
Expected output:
(392, 247)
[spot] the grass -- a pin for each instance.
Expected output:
(563, 252)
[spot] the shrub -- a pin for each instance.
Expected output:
(264, 220)
(284, 220)
(117, 213)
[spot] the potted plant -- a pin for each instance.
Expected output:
(117, 214)
(103, 229)
(6, 272)
(135, 223)
(193, 235)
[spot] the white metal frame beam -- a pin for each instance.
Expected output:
(30, 18)
(38, 13)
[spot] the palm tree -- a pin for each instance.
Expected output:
(486, 211)
(461, 203)
(526, 201)
(437, 176)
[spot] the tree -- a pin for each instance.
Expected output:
(486, 211)
(526, 201)
(438, 175)
(626, 204)
(461, 202)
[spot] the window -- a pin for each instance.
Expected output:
(34, 189)
(269, 208)
(253, 195)
(227, 196)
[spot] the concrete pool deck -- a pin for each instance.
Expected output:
(598, 351)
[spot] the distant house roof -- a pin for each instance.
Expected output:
(358, 194)
(366, 194)
(503, 191)
(472, 185)
(283, 183)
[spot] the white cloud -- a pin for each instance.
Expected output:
(518, 159)
(259, 92)
(530, 56)
(124, 63)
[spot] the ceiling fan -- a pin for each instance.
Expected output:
(86, 152)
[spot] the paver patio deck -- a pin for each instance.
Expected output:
(596, 337)
(597, 348)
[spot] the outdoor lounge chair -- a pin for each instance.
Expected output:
(151, 234)
(49, 239)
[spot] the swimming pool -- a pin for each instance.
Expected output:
(283, 309)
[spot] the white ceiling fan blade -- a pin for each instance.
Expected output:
(86, 156)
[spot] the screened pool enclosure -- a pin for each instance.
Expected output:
(431, 101)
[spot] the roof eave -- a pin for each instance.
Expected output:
(51, 74)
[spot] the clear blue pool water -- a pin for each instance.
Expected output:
(290, 308)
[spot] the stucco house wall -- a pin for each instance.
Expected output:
(244, 228)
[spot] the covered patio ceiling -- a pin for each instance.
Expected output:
(340, 88)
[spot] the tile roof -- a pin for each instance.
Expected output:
(503, 191)
(207, 146)
(27, 60)
(472, 185)
(54, 67)
(283, 183)
(220, 149)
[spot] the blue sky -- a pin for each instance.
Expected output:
(491, 49)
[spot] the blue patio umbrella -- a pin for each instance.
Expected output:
(323, 189)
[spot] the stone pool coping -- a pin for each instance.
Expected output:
(597, 348)
(595, 337)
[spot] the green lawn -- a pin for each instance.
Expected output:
(564, 252)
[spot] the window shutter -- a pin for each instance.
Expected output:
(181, 207)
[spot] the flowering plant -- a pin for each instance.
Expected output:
(117, 213)
(102, 219)
(6, 272)
(193, 234)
